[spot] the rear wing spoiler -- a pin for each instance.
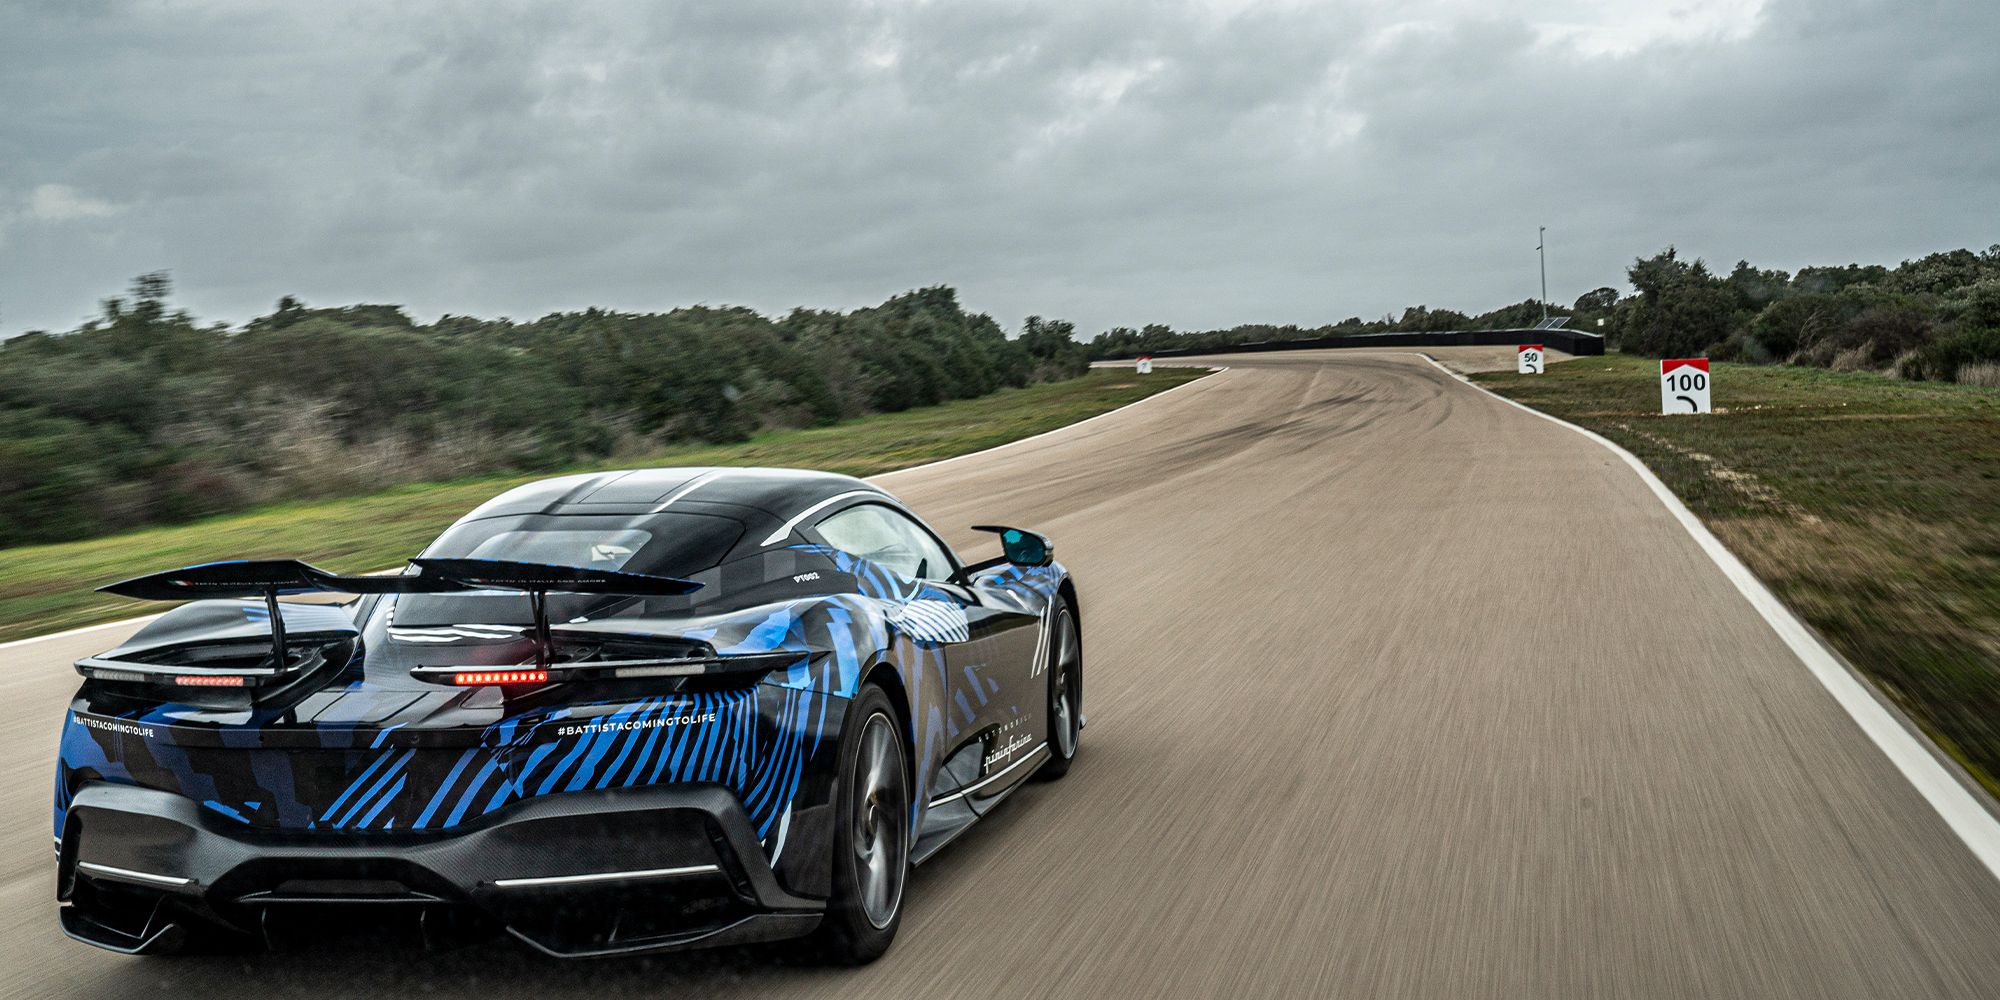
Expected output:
(271, 578)
(262, 578)
(275, 577)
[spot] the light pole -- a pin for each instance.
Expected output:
(1541, 242)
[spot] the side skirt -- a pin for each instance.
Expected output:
(955, 813)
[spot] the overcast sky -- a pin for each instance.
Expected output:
(1202, 165)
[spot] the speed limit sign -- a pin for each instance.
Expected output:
(1528, 359)
(1684, 385)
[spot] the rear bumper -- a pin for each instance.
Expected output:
(620, 871)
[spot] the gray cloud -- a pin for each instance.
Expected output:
(1115, 163)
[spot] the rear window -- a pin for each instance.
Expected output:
(595, 549)
(668, 544)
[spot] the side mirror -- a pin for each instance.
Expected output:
(1023, 548)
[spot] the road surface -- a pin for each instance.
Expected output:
(1394, 691)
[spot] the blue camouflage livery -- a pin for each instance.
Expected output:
(448, 737)
(757, 741)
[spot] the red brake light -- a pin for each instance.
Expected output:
(473, 678)
(209, 681)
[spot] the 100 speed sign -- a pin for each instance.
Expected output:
(1684, 385)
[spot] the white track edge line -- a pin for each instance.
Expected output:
(1212, 369)
(1955, 804)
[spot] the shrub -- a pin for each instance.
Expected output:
(1977, 305)
(1943, 360)
(1790, 323)
(1681, 309)
(1872, 339)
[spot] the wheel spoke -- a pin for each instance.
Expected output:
(876, 754)
(1063, 701)
(881, 827)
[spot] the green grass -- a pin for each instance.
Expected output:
(47, 588)
(1869, 504)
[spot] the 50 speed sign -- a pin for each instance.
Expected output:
(1528, 359)
(1684, 385)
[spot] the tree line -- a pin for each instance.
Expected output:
(1935, 318)
(145, 415)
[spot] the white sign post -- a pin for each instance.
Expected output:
(1528, 359)
(1684, 385)
(1145, 366)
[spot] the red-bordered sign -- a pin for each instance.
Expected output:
(1684, 386)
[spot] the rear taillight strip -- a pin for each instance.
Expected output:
(211, 680)
(481, 678)
(744, 664)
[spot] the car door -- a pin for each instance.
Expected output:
(995, 715)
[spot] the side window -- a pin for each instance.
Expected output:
(885, 537)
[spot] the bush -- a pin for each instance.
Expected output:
(1984, 373)
(1943, 360)
(1790, 323)
(1872, 339)
(1977, 305)
(1681, 309)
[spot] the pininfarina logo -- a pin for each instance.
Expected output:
(1006, 750)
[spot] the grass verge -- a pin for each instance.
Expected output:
(1870, 505)
(47, 588)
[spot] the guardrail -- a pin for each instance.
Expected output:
(1567, 341)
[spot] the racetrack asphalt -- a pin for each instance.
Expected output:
(1394, 690)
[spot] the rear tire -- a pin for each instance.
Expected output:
(1065, 694)
(871, 837)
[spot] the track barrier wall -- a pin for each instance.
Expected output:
(1573, 342)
